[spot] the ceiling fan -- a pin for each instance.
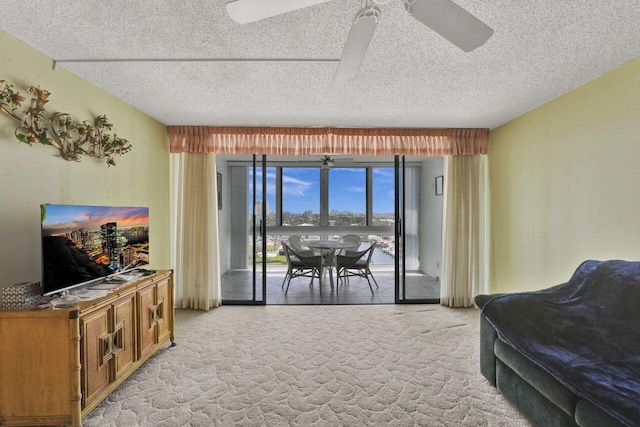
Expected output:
(328, 162)
(443, 16)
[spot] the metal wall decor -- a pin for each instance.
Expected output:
(60, 130)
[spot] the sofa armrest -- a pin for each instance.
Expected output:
(488, 337)
(483, 299)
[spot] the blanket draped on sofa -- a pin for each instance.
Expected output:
(585, 333)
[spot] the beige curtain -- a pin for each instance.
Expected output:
(464, 229)
(195, 230)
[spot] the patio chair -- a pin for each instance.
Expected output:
(354, 239)
(300, 264)
(295, 242)
(299, 244)
(356, 263)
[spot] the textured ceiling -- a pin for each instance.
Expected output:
(188, 63)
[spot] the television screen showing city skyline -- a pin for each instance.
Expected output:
(84, 243)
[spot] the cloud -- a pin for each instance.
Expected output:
(270, 175)
(290, 186)
(356, 189)
(294, 187)
(271, 182)
(357, 170)
(385, 172)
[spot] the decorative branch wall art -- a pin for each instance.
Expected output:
(60, 130)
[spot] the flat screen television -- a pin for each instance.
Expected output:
(82, 244)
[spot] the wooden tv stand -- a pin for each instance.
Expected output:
(57, 365)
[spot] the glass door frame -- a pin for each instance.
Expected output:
(258, 225)
(263, 231)
(400, 241)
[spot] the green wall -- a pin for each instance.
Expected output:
(565, 183)
(33, 175)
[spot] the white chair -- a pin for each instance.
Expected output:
(356, 264)
(300, 264)
(354, 240)
(297, 244)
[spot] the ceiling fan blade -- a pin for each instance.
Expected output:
(450, 21)
(357, 43)
(246, 11)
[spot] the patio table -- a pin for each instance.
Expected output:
(328, 248)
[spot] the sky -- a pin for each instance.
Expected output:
(347, 189)
(63, 218)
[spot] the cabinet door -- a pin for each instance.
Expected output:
(38, 377)
(164, 307)
(96, 366)
(147, 313)
(124, 334)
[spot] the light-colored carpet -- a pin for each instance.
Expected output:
(376, 365)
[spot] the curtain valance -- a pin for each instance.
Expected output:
(312, 141)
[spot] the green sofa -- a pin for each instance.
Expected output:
(537, 394)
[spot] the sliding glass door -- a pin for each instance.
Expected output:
(247, 281)
(411, 285)
(400, 267)
(259, 231)
(384, 203)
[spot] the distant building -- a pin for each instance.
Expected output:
(76, 237)
(258, 210)
(126, 257)
(110, 241)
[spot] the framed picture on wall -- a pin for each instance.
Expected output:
(439, 185)
(219, 186)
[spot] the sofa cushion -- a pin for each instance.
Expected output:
(537, 377)
(536, 407)
(588, 415)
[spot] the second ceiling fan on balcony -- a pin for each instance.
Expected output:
(442, 16)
